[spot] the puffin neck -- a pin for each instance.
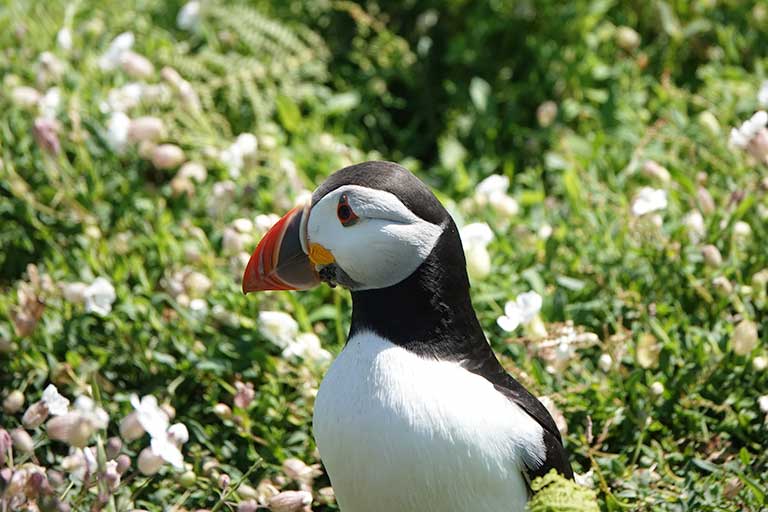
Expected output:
(430, 312)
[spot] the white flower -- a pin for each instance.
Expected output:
(649, 200)
(117, 131)
(25, 96)
(178, 433)
(493, 184)
(189, 15)
(763, 403)
(88, 409)
(123, 98)
(112, 475)
(74, 292)
(476, 234)
(76, 428)
(520, 311)
(544, 232)
(153, 419)
(742, 230)
(744, 338)
(657, 388)
(64, 39)
(166, 441)
(694, 223)
(111, 58)
(493, 191)
(168, 444)
(238, 152)
(243, 225)
(99, 297)
(264, 221)
(55, 403)
(223, 193)
(50, 102)
(199, 307)
(164, 448)
(79, 462)
(762, 94)
(475, 239)
(307, 346)
(605, 362)
(278, 327)
(197, 284)
(742, 136)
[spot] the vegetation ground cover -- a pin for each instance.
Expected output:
(608, 158)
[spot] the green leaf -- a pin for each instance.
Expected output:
(288, 113)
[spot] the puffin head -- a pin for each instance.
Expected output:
(368, 226)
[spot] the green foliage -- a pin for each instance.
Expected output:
(553, 493)
(563, 98)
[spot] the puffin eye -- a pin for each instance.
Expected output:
(344, 212)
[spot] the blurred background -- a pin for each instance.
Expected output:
(606, 156)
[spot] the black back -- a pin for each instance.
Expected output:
(430, 312)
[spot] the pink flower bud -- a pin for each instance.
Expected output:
(5, 445)
(130, 427)
(112, 475)
(222, 410)
(181, 185)
(244, 395)
(712, 256)
(46, 132)
(34, 484)
(193, 171)
(654, 170)
(137, 66)
(22, 440)
(123, 463)
(25, 97)
(167, 156)
(146, 128)
(148, 462)
(627, 38)
(758, 146)
(744, 338)
(114, 445)
(290, 501)
(248, 506)
(706, 203)
(546, 113)
(71, 428)
(224, 481)
(13, 402)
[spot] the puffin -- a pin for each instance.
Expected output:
(416, 414)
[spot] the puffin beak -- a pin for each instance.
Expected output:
(280, 261)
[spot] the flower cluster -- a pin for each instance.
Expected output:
(166, 439)
(282, 330)
(752, 136)
(475, 239)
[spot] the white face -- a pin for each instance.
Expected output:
(383, 245)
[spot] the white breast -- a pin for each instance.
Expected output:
(398, 432)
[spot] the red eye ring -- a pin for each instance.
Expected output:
(344, 212)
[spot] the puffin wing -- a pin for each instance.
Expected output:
(555, 455)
